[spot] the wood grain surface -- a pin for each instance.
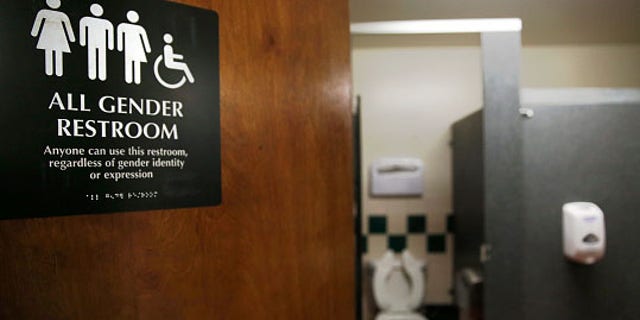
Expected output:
(281, 244)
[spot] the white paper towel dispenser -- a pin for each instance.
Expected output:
(397, 177)
(583, 232)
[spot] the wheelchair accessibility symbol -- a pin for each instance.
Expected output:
(172, 61)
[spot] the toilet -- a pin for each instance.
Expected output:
(398, 286)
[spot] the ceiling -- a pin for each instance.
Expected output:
(544, 21)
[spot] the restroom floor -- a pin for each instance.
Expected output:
(440, 312)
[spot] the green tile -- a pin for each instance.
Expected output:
(436, 243)
(451, 223)
(364, 244)
(417, 223)
(397, 243)
(378, 224)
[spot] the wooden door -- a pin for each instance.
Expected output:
(281, 244)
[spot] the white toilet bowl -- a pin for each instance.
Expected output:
(398, 286)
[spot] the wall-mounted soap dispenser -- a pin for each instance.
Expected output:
(583, 231)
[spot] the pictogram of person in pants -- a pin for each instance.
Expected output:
(97, 35)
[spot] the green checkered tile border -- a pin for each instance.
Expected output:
(436, 243)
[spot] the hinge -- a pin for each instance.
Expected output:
(485, 252)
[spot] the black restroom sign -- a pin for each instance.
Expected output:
(108, 106)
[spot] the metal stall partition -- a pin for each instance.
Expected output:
(515, 165)
(580, 145)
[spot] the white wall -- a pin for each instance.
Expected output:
(581, 66)
(411, 96)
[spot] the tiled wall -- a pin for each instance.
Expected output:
(413, 231)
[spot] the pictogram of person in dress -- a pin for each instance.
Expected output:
(54, 33)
